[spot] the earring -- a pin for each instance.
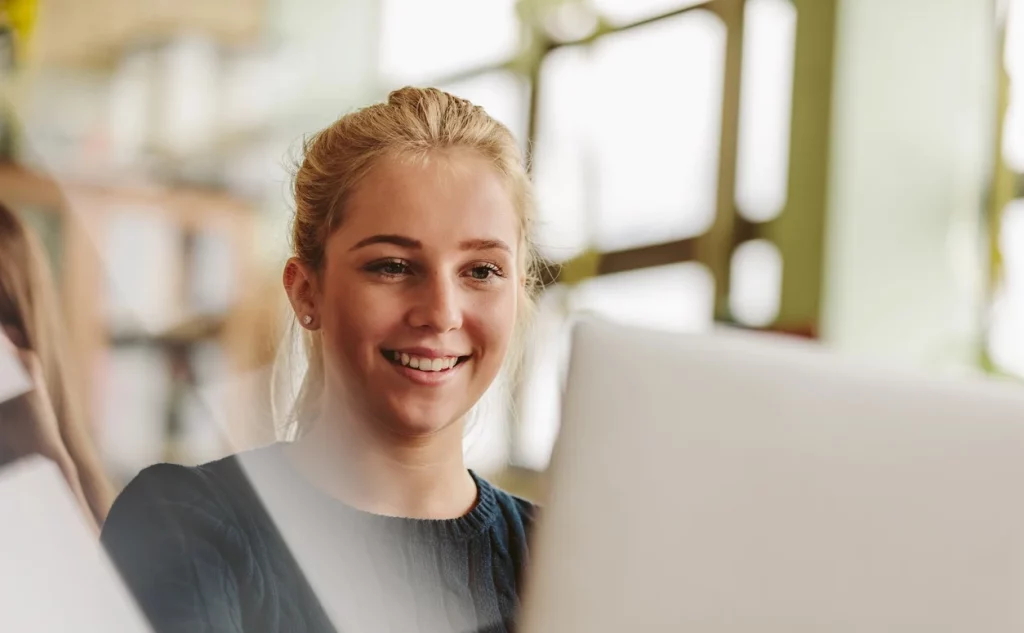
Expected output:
(306, 320)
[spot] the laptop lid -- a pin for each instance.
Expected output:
(731, 483)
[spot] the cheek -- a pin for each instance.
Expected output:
(355, 318)
(494, 319)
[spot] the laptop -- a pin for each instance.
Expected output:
(54, 575)
(736, 483)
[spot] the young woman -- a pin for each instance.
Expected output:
(411, 277)
(47, 420)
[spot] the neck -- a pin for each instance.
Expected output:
(375, 470)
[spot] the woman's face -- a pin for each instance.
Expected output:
(417, 300)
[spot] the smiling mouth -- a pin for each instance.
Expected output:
(423, 364)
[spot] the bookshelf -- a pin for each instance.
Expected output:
(156, 287)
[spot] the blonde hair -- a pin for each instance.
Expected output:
(412, 122)
(28, 303)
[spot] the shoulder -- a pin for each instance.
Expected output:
(162, 484)
(168, 494)
(517, 513)
(178, 539)
(164, 502)
(516, 506)
(173, 484)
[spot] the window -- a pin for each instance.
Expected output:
(762, 167)
(504, 95)
(1013, 131)
(560, 172)
(655, 129)
(624, 132)
(756, 287)
(676, 297)
(629, 130)
(1006, 338)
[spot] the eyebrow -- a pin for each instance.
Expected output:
(397, 240)
(484, 245)
(410, 243)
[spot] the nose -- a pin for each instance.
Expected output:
(437, 306)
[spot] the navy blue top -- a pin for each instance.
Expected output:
(245, 544)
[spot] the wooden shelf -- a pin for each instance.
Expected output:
(83, 214)
(197, 329)
(77, 34)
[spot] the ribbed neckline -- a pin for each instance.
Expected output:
(477, 520)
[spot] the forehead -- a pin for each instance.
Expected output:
(440, 198)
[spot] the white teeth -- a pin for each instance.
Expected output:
(426, 364)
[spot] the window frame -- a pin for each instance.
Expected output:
(798, 231)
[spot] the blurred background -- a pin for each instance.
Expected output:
(850, 171)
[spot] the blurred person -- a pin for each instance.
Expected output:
(49, 419)
(412, 276)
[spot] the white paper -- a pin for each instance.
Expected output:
(54, 575)
(14, 381)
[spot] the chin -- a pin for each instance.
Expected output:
(416, 422)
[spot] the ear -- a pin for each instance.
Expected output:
(300, 283)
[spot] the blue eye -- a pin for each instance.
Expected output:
(484, 272)
(389, 268)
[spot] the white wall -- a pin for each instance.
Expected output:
(913, 128)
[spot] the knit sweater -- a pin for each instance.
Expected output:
(245, 545)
